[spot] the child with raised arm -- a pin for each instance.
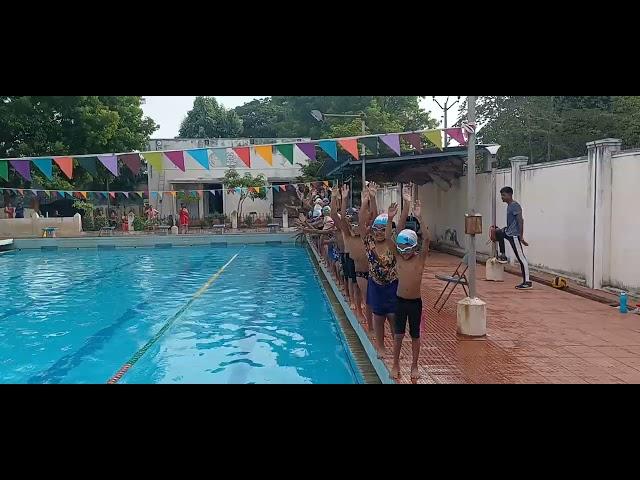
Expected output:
(410, 267)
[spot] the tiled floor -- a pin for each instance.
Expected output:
(538, 336)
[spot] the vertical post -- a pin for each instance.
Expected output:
(494, 206)
(471, 195)
(364, 168)
(446, 123)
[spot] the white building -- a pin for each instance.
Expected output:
(195, 177)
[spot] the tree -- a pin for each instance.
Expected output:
(261, 118)
(247, 183)
(209, 119)
(68, 125)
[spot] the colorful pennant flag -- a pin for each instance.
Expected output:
(45, 165)
(457, 134)
(414, 139)
(90, 164)
(20, 191)
(4, 170)
(330, 147)
(283, 188)
(245, 155)
(177, 158)
(110, 162)
(266, 152)
(309, 149)
(326, 183)
(23, 168)
(112, 194)
(66, 165)
(371, 144)
(132, 161)
(200, 155)
(126, 194)
(155, 160)
(392, 141)
(351, 146)
(435, 137)
(286, 150)
(221, 155)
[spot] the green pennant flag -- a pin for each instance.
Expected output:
(4, 170)
(287, 151)
(371, 144)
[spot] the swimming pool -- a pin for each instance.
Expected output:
(78, 316)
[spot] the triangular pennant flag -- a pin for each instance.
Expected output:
(89, 164)
(154, 195)
(172, 193)
(326, 183)
(276, 188)
(200, 193)
(371, 144)
(245, 155)
(84, 194)
(112, 194)
(132, 161)
(351, 146)
(23, 168)
(221, 155)
(414, 139)
(435, 137)
(283, 188)
(126, 194)
(4, 170)
(200, 155)
(35, 192)
(45, 165)
(251, 189)
(66, 165)
(238, 190)
(457, 134)
(309, 149)
(330, 147)
(392, 141)
(177, 158)
(20, 191)
(155, 160)
(286, 150)
(110, 162)
(47, 193)
(266, 152)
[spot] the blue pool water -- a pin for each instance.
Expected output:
(77, 316)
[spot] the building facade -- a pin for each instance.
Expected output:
(195, 177)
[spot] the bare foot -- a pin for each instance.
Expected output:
(395, 372)
(415, 374)
(382, 354)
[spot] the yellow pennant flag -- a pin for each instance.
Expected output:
(173, 194)
(84, 194)
(326, 183)
(266, 152)
(435, 137)
(155, 160)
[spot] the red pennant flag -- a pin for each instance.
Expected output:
(245, 155)
(283, 188)
(112, 194)
(177, 158)
(415, 140)
(457, 134)
(351, 146)
(132, 161)
(66, 165)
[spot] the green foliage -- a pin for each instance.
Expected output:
(73, 125)
(232, 179)
(139, 224)
(86, 209)
(209, 119)
(549, 128)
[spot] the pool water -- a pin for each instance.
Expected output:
(78, 316)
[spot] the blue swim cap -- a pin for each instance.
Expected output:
(407, 237)
(381, 221)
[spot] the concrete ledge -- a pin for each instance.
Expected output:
(150, 241)
(378, 365)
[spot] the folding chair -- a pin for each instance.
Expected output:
(459, 277)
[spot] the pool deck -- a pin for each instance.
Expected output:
(538, 336)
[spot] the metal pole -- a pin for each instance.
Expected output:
(471, 195)
(494, 195)
(446, 124)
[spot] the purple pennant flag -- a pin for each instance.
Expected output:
(23, 167)
(392, 141)
(126, 194)
(110, 162)
(309, 149)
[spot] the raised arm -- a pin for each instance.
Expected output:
(402, 221)
(392, 212)
(373, 210)
(426, 239)
(364, 214)
(335, 194)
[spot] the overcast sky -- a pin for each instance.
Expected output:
(169, 112)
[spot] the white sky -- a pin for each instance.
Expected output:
(170, 111)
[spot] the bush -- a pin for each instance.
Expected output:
(99, 223)
(139, 224)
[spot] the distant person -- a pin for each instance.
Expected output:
(514, 234)
(113, 218)
(19, 210)
(184, 219)
(10, 211)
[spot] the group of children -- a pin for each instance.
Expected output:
(378, 271)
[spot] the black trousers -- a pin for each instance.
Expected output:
(516, 245)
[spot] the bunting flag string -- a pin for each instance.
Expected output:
(219, 157)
